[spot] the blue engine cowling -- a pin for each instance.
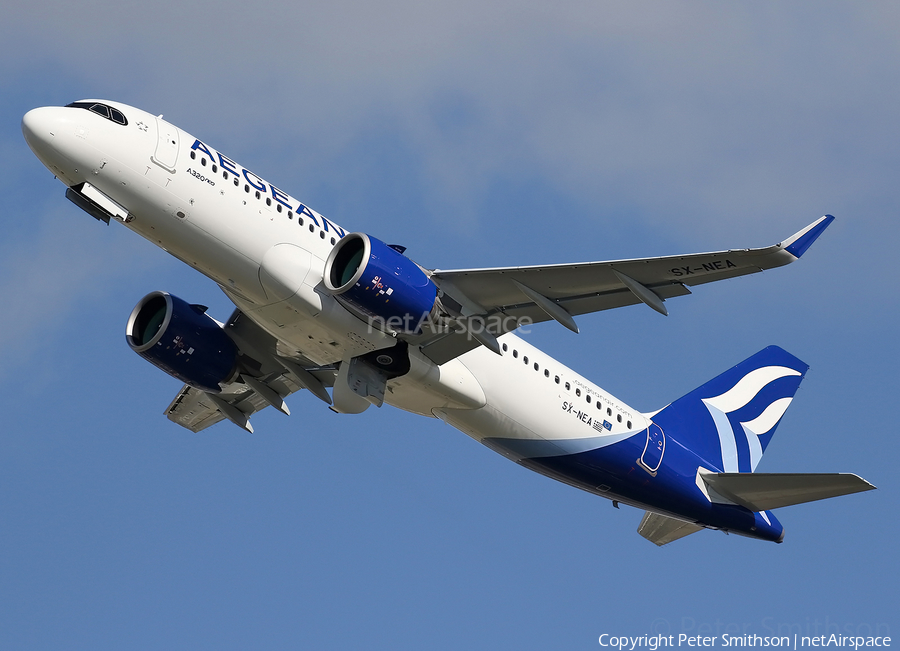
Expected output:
(374, 279)
(182, 340)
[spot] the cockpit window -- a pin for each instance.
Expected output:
(108, 112)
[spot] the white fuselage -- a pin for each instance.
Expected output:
(267, 251)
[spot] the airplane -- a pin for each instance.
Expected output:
(320, 308)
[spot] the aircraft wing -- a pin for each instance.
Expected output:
(503, 297)
(265, 380)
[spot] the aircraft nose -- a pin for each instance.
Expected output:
(37, 126)
(50, 134)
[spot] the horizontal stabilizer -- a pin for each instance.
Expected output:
(661, 529)
(766, 491)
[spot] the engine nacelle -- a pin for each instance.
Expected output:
(182, 340)
(377, 281)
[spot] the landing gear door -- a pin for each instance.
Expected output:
(166, 154)
(655, 447)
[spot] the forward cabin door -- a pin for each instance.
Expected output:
(166, 154)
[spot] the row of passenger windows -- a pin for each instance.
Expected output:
(587, 396)
(278, 207)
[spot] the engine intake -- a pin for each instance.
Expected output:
(182, 340)
(377, 282)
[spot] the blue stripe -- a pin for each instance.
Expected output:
(539, 448)
(799, 247)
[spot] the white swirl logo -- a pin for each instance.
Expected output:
(739, 396)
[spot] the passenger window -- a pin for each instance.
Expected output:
(568, 386)
(619, 417)
(588, 398)
(546, 372)
(515, 353)
(536, 368)
(577, 392)
(628, 424)
(215, 168)
(556, 379)
(505, 348)
(525, 359)
(311, 229)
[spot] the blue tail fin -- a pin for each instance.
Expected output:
(730, 420)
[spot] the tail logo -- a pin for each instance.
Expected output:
(739, 396)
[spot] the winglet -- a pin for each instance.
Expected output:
(797, 243)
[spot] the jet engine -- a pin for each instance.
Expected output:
(376, 281)
(182, 340)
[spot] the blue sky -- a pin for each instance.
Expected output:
(477, 134)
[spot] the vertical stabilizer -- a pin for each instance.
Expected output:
(730, 420)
